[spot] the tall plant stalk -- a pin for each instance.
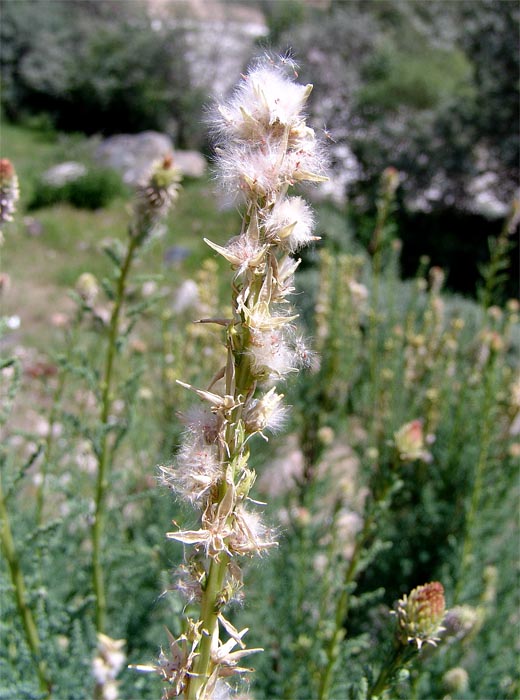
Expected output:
(264, 147)
(20, 590)
(9, 195)
(389, 183)
(486, 434)
(153, 199)
(494, 273)
(9, 189)
(102, 476)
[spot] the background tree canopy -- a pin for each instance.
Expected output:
(430, 88)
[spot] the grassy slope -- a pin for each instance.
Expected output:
(42, 268)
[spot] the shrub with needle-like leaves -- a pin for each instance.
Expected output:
(263, 148)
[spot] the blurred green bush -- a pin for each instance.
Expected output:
(96, 67)
(93, 190)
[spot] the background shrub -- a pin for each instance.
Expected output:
(94, 190)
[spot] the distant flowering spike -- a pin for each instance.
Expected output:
(420, 615)
(409, 441)
(87, 287)
(9, 191)
(154, 196)
(456, 680)
(106, 665)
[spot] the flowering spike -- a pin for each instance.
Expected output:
(9, 191)
(263, 147)
(154, 197)
(420, 615)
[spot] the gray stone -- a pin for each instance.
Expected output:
(133, 154)
(190, 163)
(62, 173)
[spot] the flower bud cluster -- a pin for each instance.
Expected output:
(9, 191)
(87, 286)
(154, 197)
(263, 148)
(420, 615)
(409, 442)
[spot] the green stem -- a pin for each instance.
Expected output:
(208, 615)
(49, 442)
(29, 625)
(400, 656)
(103, 459)
(342, 608)
(56, 403)
(476, 494)
(240, 381)
(209, 607)
(376, 245)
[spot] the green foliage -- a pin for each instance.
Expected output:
(92, 66)
(421, 79)
(93, 190)
(283, 16)
(359, 525)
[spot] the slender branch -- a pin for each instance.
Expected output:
(17, 578)
(342, 608)
(103, 459)
(401, 654)
(486, 433)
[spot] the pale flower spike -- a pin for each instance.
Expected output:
(263, 148)
(106, 665)
(9, 192)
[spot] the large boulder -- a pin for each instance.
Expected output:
(190, 163)
(132, 155)
(62, 173)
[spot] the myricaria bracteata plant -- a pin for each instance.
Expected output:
(9, 195)
(263, 147)
(419, 621)
(153, 198)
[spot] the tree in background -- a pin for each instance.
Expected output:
(96, 67)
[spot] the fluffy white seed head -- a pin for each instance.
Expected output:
(199, 421)
(265, 101)
(252, 171)
(305, 357)
(196, 468)
(270, 354)
(263, 143)
(290, 224)
(249, 534)
(266, 413)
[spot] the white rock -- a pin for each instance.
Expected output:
(190, 163)
(133, 154)
(64, 172)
